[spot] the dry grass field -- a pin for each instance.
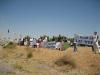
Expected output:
(41, 61)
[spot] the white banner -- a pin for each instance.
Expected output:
(83, 40)
(51, 44)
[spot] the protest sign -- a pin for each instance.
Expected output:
(83, 40)
(51, 44)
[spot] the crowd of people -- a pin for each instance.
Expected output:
(40, 43)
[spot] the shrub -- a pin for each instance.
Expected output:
(64, 61)
(17, 66)
(10, 45)
(29, 55)
(66, 45)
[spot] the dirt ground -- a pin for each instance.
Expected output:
(42, 61)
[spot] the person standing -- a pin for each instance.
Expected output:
(34, 43)
(75, 42)
(58, 45)
(95, 43)
(45, 42)
(75, 45)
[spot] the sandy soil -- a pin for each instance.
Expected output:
(42, 61)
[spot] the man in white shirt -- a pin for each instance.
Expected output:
(95, 42)
(58, 45)
(45, 42)
(31, 42)
(34, 43)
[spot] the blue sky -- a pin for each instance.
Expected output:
(51, 17)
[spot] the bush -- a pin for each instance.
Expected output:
(29, 55)
(10, 45)
(64, 61)
(66, 45)
(17, 66)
